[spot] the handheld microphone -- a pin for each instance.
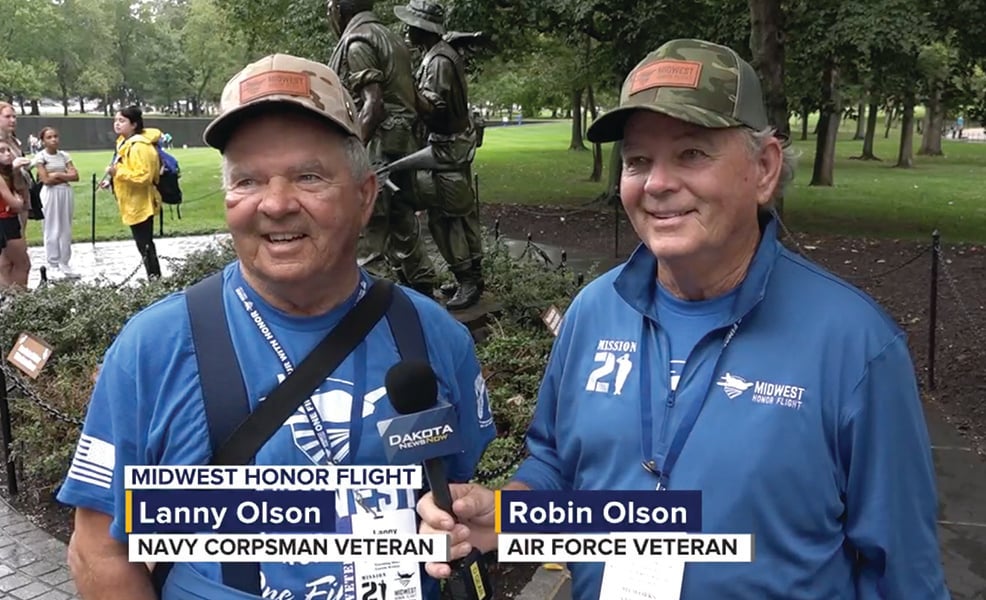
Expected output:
(425, 432)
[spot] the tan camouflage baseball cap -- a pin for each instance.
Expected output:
(282, 79)
(692, 80)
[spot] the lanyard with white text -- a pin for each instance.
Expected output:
(661, 466)
(359, 375)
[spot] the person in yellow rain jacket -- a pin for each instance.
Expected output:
(133, 174)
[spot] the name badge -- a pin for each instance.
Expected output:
(394, 579)
(643, 580)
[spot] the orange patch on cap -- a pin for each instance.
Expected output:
(667, 73)
(274, 82)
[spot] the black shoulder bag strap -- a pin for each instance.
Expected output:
(241, 446)
(236, 433)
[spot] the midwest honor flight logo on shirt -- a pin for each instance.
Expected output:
(333, 401)
(764, 392)
(733, 385)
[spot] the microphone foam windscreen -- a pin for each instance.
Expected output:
(411, 386)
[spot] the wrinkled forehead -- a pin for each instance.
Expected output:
(647, 126)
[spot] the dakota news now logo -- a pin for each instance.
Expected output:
(764, 392)
(421, 437)
(410, 439)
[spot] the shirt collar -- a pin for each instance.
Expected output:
(637, 283)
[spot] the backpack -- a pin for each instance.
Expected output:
(168, 184)
(34, 189)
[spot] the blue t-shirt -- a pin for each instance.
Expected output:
(147, 409)
(687, 322)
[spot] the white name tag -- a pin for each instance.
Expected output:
(643, 580)
(390, 580)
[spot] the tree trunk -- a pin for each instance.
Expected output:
(64, 99)
(805, 113)
(931, 140)
(577, 143)
(82, 105)
(767, 46)
(597, 149)
(890, 120)
(615, 172)
(871, 117)
(905, 158)
(828, 128)
(860, 124)
(35, 109)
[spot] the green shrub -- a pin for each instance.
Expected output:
(79, 321)
(516, 350)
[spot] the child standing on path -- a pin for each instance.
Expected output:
(55, 171)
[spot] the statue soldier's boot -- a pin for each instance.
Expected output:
(449, 289)
(477, 272)
(468, 293)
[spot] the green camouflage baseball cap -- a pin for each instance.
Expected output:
(692, 80)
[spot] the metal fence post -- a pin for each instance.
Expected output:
(92, 214)
(8, 441)
(933, 307)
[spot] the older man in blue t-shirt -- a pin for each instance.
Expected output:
(298, 190)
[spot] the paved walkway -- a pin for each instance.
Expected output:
(974, 134)
(32, 563)
(119, 261)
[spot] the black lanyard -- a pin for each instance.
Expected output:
(661, 466)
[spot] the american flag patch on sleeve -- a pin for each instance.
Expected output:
(93, 462)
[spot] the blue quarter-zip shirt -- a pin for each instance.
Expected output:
(811, 433)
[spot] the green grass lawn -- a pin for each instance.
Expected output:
(532, 165)
(877, 199)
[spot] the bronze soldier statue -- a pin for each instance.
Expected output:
(375, 65)
(442, 103)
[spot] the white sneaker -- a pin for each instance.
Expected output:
(68, 273)
(54, 273)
